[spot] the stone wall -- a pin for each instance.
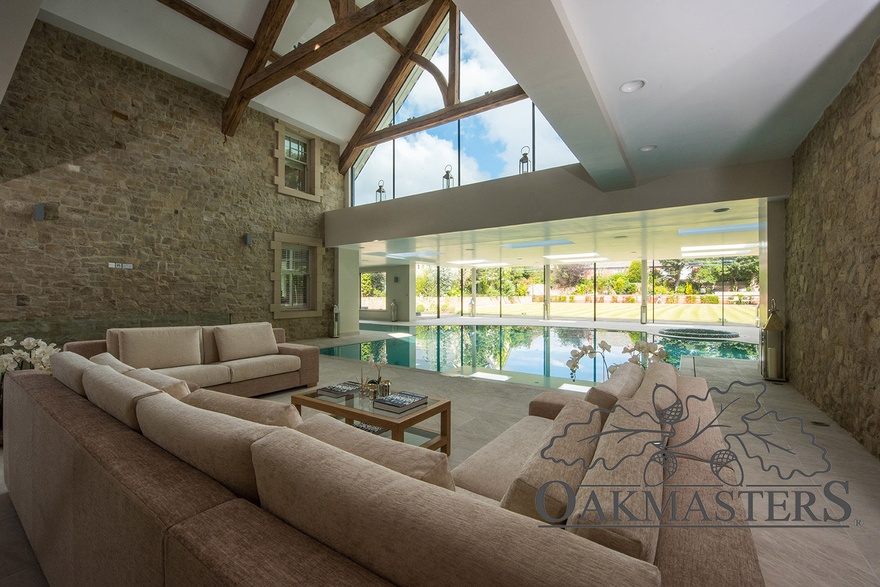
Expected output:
(832, 275)
(135, 170)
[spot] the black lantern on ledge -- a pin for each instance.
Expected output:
(524, 163)
(380, 191)
(447, 178)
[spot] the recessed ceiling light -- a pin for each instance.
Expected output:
(468, 261)
(620, 236)
(719, 210)
(485, 265)
(580, 261)
(546, 243)
(647, 148)
(632, 86)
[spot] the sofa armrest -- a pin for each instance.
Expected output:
(308, 355)
(280, 335)
(86, 348)
(549, 403)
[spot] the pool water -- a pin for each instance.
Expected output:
(533, 355)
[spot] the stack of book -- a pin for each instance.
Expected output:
(400, 402)
(340, 389)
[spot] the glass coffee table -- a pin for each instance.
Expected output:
(402, 427)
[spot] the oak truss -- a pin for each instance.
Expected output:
(264, 69)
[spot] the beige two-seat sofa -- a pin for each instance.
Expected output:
(241, 359)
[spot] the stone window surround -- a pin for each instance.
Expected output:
(283, 129)
(316, 255)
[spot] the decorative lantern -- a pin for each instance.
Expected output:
(380, 191)
(447, 178)
(772, 355)
(524, 164)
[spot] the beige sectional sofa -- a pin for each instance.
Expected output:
(128, 478)
(240, 359)
(118, 482)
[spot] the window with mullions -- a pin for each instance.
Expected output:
(296, 156)
(296, 163)
(296, 279)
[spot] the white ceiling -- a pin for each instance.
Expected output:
(726, 83)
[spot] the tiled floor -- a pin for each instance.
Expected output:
(483, 409)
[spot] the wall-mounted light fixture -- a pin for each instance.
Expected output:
(39, 212)
(248, 239)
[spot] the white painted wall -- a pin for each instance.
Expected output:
(16, 20)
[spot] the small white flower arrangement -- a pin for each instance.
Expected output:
(378, 363)
(641, 353)
(33, 354)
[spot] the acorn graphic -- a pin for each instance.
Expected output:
(666, 460)
(668, 405)
(726, 458)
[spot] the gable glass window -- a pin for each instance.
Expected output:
(297, 156)
(296, 280)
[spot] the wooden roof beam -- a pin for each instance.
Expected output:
(347, 31)
(245, 42)
(342, 8)
(417, 44)
(453, 84)
(450, 113)
(420, 60)
(264, 40)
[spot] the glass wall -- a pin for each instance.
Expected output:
(707, 291)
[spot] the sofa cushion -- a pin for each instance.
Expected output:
(659, 387)
(415, 533)
(216, 444)
(566, 453)
(159, 348)
(177, 390)
(549, 403)
(492, 469)
(115, 393)
(240, 341)
(417, 462)
(253, 410)
(209, 346)
(68, 368)
(201, 375)
(623, 383)
(693, 433)
(154, 378)
(111, 361)
(622, 465)
(263, 366)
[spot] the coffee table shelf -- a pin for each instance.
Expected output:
(402, 427)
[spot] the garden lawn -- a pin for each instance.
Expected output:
(705, 313)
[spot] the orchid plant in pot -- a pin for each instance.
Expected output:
(32, 354)
(641, 353)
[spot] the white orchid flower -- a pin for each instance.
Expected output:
(634, 359)
(575, 354)
(29, 343)
(8, 342)
(604, 346)
(612, 369)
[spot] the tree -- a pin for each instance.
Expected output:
(672, 269)
(634, 273)
(741, 269)
(569, 276)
